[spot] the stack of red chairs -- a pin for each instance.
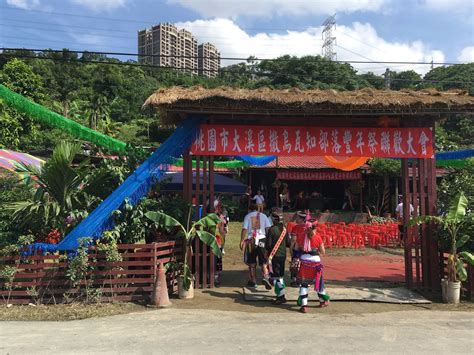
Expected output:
(357, 236)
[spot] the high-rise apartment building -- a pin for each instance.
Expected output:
(166, 46)
(188, 49)
(209, 60)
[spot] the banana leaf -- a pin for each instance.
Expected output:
(461, 270)
(458, 210)
(467, 257)
(166, 222)
(210, 240)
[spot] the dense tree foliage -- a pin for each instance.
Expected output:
(92, 90)
(19, 77)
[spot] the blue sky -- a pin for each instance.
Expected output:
(385, 30)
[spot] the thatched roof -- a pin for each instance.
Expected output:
(173, 102)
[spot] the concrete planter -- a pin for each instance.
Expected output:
(185, 294)
(444, 290)
(453, 292)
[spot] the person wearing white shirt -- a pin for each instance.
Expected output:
(399, 214)
(399, 210)
(259, 200)
(254, 230)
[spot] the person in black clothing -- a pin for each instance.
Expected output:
(279, 258)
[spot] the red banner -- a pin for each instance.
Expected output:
(318, 175)
(301, 141)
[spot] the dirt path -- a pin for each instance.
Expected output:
(344, 267)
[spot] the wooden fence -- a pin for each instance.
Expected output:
(467, 288)
(44, 279)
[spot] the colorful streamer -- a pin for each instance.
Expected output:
(53, 119)
(348, 164)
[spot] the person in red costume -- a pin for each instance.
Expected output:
(311, 246)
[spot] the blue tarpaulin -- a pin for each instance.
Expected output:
(222, 184)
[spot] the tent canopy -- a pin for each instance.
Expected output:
(222, 184)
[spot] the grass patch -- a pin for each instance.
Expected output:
(65, 312)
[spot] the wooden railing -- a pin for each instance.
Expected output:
(45, 279)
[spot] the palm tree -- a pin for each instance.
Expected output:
(98, 111)
(60, 191)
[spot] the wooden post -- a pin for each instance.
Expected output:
(424, 235)
(470, 282)
(211, 194)
(154, 256)
(198, 185)
(211, 183)
(187, 177)
(204, 265)
(433, 243)
(197, 264)
(416, 229)
(204, 187)
(406, 213)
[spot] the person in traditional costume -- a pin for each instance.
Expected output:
(252, 241)
(311, 246)
(295, 227)
(221, 233)
(276, 243)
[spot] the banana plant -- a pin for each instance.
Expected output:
(204, 229)
(452, 222)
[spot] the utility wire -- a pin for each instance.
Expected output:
(29, 27)
(149, 22)
(126, 37)
(262, 74)
(222, 58)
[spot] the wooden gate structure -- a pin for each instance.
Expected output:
(408, 116)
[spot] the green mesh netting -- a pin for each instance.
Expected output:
(53, 119)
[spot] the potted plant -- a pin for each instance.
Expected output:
(451, 223)
(204, 229)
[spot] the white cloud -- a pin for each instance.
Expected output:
(449, 5)
(269, 8)
(101, 5)
(24, 4)
(467, 55)
(356, 42)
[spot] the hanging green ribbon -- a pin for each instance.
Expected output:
(461, 163)
(53, 119)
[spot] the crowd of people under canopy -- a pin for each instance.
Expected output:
(315, 201)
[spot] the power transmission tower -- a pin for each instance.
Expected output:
(328, 40)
